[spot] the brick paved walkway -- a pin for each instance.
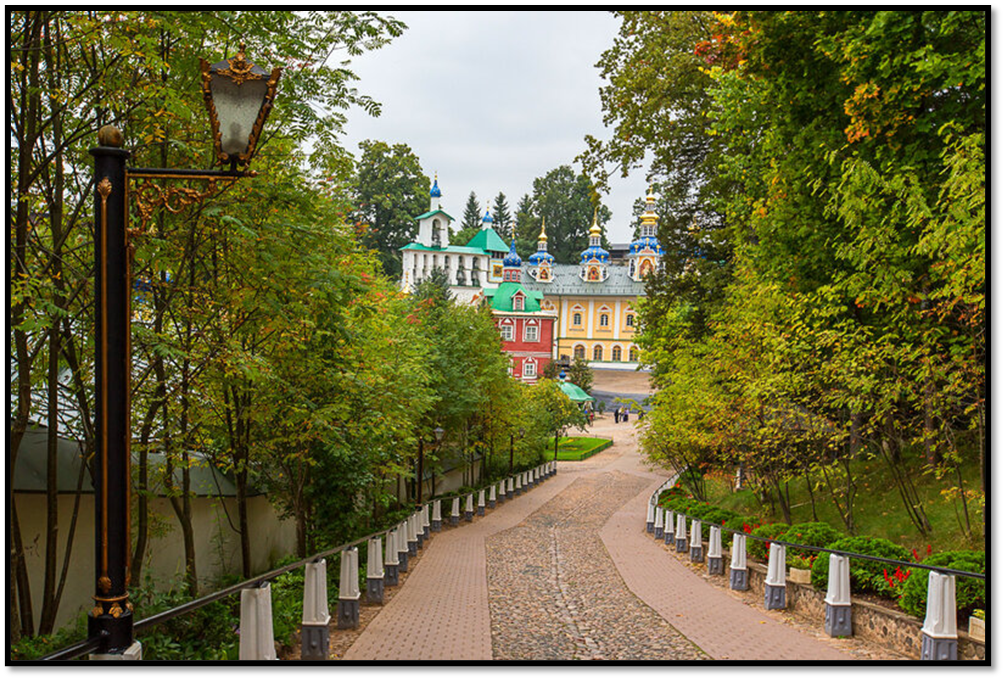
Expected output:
(566, 572)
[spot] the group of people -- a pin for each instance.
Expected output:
(622, 415)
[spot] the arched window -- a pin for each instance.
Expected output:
(633, 354)
(579, 351)
(517, 303)
(598, 352)
(629, 320)
(615, 354)
(604, 320)
(577, 318)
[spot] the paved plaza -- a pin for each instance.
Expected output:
(567, 572)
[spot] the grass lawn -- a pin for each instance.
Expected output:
(576, 448)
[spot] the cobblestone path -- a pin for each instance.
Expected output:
(555, 593)
(567, 572)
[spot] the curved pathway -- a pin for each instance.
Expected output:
(567, 572)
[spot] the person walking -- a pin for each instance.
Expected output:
(617, 416)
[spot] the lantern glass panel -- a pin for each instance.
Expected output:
(237, 108)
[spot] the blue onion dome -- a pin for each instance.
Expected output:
(512, 259)
(435, 193)
(645, 242)
(595, 252)
(539, 257)
(487, 219)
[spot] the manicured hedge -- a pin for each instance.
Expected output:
(813, 534)
(771, 531)
(866, 576)
(970, 594)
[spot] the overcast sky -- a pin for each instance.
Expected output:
(492, 100)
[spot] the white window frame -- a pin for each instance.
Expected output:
(526, 333)
(529, 368)
(518, 302)
(506, 331)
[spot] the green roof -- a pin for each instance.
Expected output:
(500, 298)
(449, 249)
(575, 392)
(487, 239)
(434, 212)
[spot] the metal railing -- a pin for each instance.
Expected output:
(93, 644)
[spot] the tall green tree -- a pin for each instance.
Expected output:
(75, 71)
(390, 192)
(831, 328)
(470, 224)
(567, 202)
(657, 101)
(502, 216)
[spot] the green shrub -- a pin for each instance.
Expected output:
(866, 576)
(770, 531)
(812, 534)
(743, 524)
(970, 594)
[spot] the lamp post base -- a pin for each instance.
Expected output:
(134, 652)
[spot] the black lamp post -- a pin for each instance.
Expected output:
(230, 93)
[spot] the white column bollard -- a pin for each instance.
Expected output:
(492, 497)
(481, 502)
(510, 489)
(425, 522)
(412, 535)
(374, 571)
(681, 533)
(348, 590)
(669, 530)
(659, 518)
(519, 484)
(939, 637)
(402, 547)
(390, 562)
(774, 583)
(257, 641)
(650, 518)
(716, 564)
(314, 639)
(696, 545)
(455, 512)
(739, 576)
(837, 622)
(437, 516)
(419, 531)
(469, 507)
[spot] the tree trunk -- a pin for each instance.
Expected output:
(48, 615)
(23, 585)
(242, 518)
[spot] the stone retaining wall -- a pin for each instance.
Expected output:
(894, 630)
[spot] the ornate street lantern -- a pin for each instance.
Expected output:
(239, 96)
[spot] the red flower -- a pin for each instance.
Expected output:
(929, 549)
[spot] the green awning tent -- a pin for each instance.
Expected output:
(575, 393)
